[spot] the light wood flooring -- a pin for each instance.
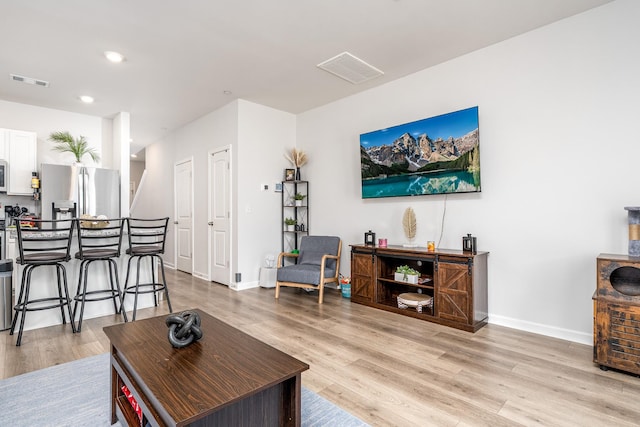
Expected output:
(385, 368)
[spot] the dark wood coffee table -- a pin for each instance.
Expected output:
(226, 378)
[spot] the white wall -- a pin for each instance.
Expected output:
(265, 135)
(195, 140)
(558, 134)
(258, 137)
(120, 156)
(136, 169)
(43, 121)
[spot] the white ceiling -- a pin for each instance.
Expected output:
(183, 55)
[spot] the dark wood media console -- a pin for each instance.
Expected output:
(455, 280)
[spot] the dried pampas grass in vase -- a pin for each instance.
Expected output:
(409, 225)
(298, 158)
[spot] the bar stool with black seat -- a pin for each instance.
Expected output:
(98, 240)
(146, 240)
(43, 243)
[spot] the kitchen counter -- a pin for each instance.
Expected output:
(43, 284)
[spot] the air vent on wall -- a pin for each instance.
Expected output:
(29, 80)
(350, 68)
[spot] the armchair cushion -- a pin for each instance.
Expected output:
(310, 257)
(312, 248)
(303, 273)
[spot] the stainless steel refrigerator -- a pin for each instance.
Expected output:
(86, 190)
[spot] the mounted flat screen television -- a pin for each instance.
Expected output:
(438, 155)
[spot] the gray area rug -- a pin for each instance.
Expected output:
(77, 394)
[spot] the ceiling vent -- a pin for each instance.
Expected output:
(28, 80)
(352, 69)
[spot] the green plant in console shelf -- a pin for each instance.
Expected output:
(406, 271)
(299, 196)
(290, 221)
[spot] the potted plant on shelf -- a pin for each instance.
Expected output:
(404, 273)
(290, 223)
(298, 198)
(79, 147)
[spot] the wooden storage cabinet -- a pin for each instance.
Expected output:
(462, 289)
(454, 292)
(388, 289)
(455, 280)
(617, 313)
(618, 336)
(362, 265)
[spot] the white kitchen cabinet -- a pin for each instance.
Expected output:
(19, 149)
(4, 144)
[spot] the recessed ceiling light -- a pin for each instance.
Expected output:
(86, 99)
(134, 156)
(114, 56)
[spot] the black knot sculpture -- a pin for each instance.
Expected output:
(184, 328)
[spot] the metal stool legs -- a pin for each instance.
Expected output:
(24, 304)
(82, 295)
(152, 287)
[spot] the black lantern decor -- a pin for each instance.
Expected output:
(469, 244)
(370, 238)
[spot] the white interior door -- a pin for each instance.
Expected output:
(220, 217)
(184, 216)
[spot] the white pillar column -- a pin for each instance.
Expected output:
(121, 157)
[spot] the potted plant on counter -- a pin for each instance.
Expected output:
(404, 273)
(79, 147)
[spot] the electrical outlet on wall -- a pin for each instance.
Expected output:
(264, 187)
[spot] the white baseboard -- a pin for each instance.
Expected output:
(242, 286)
(202, 276)
(538, 328)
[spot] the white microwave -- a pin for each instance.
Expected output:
(4, 176)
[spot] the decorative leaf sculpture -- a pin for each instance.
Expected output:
(409, 224)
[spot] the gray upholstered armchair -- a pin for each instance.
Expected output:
(318, 263)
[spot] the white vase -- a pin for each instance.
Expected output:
(407, 278)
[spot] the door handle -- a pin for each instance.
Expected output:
(210, 223)
(175, 222)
